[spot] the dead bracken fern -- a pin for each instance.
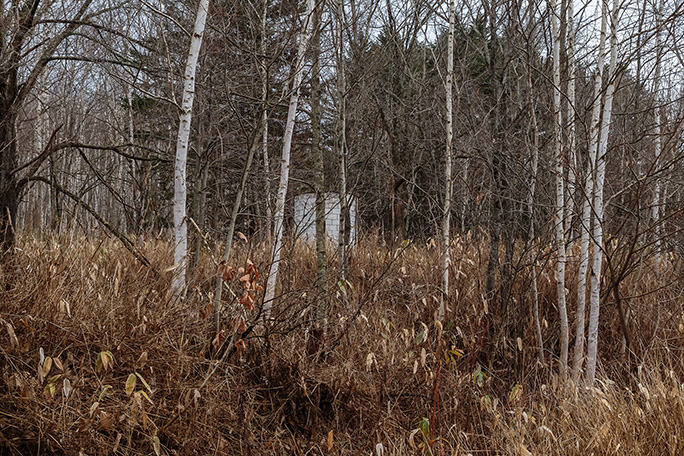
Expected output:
(97, 357)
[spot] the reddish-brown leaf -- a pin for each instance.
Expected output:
(252, 269)
(240, 325)
(246, 280)
(247, 300)
(229, 273)
(218, 340)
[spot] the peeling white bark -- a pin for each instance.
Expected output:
(279, 214)
(595, 305)
(585, 224)
(446, 216)
(180, 188)
(559, 214)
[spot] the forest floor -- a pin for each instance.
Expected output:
(97, 357)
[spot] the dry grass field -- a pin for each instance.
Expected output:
(96, 358)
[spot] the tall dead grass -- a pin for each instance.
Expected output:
(97, 358)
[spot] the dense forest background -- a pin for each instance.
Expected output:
(516, 165)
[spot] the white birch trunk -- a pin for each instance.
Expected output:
(279, 214)
(180, 189)
(592, 334)
(657, 140)
(585, 224)
(571, 151)
(559, 217)
(446, 217)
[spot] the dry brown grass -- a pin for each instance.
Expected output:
(72, 300)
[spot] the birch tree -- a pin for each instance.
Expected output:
(446, 216)
(595, 292)
(559, 217)
(657, 134)
(571, 146)
(279, 214)
(585, 222)
(180, 225)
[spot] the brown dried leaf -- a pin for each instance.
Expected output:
(142, 360)
(13, 337)
(240, 325)
(247, 300)
(130, 384)
(218, 340)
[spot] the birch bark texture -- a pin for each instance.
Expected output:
(279, 214)
(585, 222)
(595, 292)
(657, 136)
(559, 214)
(446, 216)
(180, 225)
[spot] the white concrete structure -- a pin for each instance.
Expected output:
(305, 217)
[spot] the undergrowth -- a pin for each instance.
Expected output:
(96, 357)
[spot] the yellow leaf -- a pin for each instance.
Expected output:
(50, 389)
(412, 438)
(144, 394)
(156, 445)
(47, 365)
(330, 440)
(144, 382)
(516, 392)
(130, 384)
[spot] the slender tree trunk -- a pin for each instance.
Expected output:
(254, 145)
(9, 192)
(279, 215)
(343, 238)
(180, 223)
(264, 120)
(657, 139)
(595, 293)
(585, 225)
(446, 216)
(320, 329)
(559, 217)
(532, 189)
(571, 150)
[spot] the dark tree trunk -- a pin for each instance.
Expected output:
(9, 189)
